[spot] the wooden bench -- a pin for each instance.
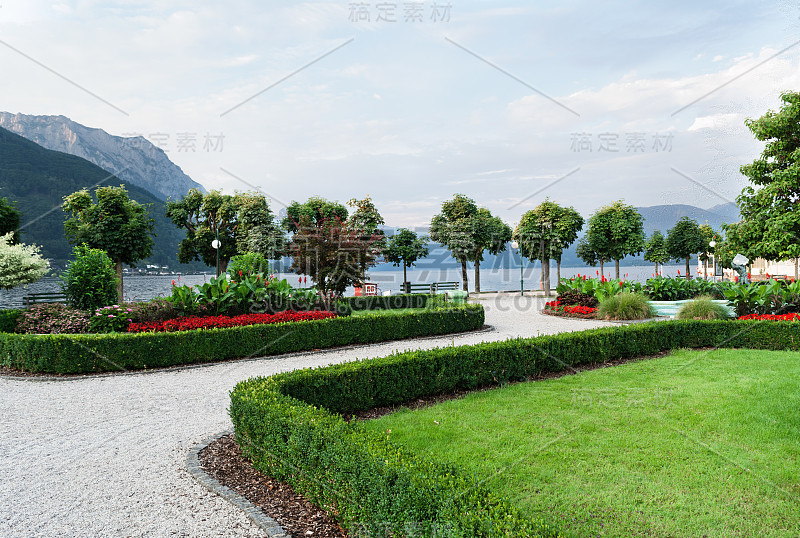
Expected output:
(39, 298)
(431, 289)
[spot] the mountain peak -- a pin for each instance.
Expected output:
(133, 159)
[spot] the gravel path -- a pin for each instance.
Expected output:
(104, 456)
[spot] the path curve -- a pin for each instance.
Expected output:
(105, 456)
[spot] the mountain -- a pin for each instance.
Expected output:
(37, 179)
(664, 217)
(134, 159)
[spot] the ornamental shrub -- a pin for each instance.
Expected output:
(702, 308)
(53, 318)
(8, 320)
(248, 264)
(577, 298)
(90, 280)
(626, 305)
(110, 319)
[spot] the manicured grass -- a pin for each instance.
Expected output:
(695, 443)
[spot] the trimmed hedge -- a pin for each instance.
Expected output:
(392, 302)
(8, 320)
(86, 353)
(289, 424)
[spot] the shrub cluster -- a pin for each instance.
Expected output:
(287, 423)
(679, 289)
(110, 319)
(702, 308)
(52, 318)
(189, 323)
(85, 353)
(8, 320)
(392, 302)
(575, 297)
(90, 280)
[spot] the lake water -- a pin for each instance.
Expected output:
(144, 288)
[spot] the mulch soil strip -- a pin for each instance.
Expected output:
(223, 460)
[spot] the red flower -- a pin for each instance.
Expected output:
(173, 282)
(216, 322)
(679, 271)
(240, 274)
(620, 283)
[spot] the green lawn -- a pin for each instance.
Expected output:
(697, 443)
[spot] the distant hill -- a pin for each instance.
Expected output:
(36, 180)
(132, 159)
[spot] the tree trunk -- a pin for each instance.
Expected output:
(546, 277)
(705, 268)
(464, 275)
(796, 267)
(405, 278)
(656, 270)
(477, 276)
(558, 271)
(118, 267)
(688, 275)
(616, 268)
(601, 269)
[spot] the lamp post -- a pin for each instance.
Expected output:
(515, 245)
(713, 244)
(215, 244)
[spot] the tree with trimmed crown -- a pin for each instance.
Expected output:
(115, 224)
(655, 250)
(684, 240)
(405, 248)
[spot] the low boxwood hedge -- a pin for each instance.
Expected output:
(85, 353)
(290, 425)
(392, 302)
(8, 319)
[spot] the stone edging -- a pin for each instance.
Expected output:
(46, 377)
(264, 522)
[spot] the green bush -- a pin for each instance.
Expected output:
(288, 424)
(111, 319)
(626, 305)
(248, 264)
(90, 280)
(8, 320)
(703, 308)
(84, 353)
(392, 302)
(53, 318)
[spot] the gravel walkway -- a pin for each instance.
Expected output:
(104, 456)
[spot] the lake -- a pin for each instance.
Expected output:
(144, 288)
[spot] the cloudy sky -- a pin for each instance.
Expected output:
(410, 102)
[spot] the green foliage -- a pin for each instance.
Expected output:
(770, 222)
(764, 298)
(702, 308)
(294, 412)
(8, 320)
(52, 318)
(9, 219)
(684, 240)
(599, 288)
(242, 221)
(655, 250)
(111, 319)
(85, 353)
(404, 248)
(115, 224)
(626, 305)
(574, 297)
(545, 231)
(614, 232)
(20, 264)
(248, 264)
(333, 251)
(90, 280)
(392, 302)
(678, 289)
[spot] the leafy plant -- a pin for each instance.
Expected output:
(702, 307)
(248, 264)
(577, 298)
(626, 305)
(111, 319)
(90, 280)
(19, 264)
(52, 318)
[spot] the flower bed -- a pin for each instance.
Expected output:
(555, 308)
(772, 317)
(219, 322)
